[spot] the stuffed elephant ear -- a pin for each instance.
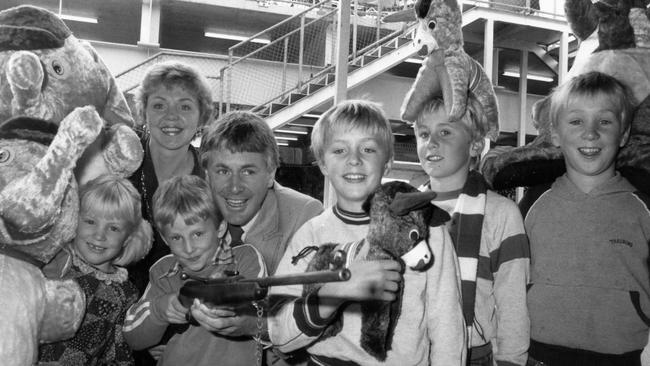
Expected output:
(115, 109)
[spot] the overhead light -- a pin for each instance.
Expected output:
(515, 74)
(402, 162)
(386, 180)
(309, 115)
(294, 132)
(414, 60)
(76, 18)
(235, 37)
(556, 44)
(289, 138)
(280, 143)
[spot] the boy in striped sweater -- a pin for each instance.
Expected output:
(487, 231)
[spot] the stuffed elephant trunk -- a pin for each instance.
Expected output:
(26, 78)
(32, 202)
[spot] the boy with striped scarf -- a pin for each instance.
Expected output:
(487, 231)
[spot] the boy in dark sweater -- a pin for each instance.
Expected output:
(589, 233)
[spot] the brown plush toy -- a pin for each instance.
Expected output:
(400, 217)
(622, 31)
(448, 71)
(60, 114)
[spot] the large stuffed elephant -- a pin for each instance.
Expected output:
(61, 116)
(38, 214)
(46, 72)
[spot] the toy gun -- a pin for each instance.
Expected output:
(237, 289)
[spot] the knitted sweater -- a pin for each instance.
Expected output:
(590, 279)
(193, 345)
(500, 311)
(99, 340)
(430, 329)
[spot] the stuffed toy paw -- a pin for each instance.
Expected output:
(46, 72)
(399, 227)
(448, 72)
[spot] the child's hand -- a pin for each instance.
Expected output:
(157, 351)
(369, 280)
(174, 311)
(223, 320)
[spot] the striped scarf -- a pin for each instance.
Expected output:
(465, 231)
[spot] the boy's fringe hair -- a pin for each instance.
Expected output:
(348, 115)
(474, 119)
(170, 74)
(116, 197)
(187, 196)
(240, 131)
(589, 85)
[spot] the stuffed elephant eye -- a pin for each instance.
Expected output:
(432, 24)
(5, 155)
(414, 234)
(57, 67)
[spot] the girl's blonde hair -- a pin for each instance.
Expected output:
(116, 197)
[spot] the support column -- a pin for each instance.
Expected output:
(523, 97)
(488, 49)
(563, 62)
(341, 78)
(495, 67)
(150, 24)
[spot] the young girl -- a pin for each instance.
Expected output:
(109, 215)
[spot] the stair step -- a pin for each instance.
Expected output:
(311, 88)
(292, 98)
(329, 78)
(385, 50)
(368, 59)
(276, 107)
(263, 112)
(375, 53)
(400, 41)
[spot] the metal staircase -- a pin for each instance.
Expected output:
(320, 89)
(389, 45)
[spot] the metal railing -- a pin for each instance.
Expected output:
(302, 48)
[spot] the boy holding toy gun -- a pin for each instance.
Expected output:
(185, 214)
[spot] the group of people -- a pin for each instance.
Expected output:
(569, 285)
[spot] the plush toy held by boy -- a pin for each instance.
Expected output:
(353, 144)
